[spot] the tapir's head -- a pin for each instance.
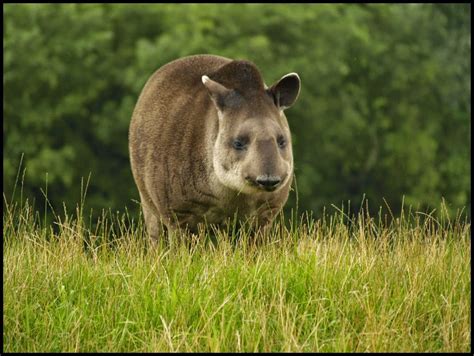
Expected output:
(252, 152)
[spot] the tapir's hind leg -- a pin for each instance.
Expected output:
(155, 228)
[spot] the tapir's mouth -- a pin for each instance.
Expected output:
(269, 189)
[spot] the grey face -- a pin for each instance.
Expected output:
(253, 154)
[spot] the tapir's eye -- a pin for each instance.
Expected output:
(240, 143)
(281, 142)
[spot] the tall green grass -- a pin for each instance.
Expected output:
(337, 283)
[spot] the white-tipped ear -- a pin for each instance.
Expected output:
(217, 91)
(213, 86)
(205, 79)
(286, 90)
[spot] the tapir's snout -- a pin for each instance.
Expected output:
(266, 182)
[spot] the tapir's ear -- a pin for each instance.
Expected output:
(286, 90)
(219, 93)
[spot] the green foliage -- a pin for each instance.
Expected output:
(384, 108)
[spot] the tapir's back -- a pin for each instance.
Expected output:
(172, 101)
(177, 81)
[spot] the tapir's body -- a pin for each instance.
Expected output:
(183, 175)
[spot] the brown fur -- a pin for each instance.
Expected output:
(180, 122)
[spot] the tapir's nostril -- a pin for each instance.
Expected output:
(268, 181)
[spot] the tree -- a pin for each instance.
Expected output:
(384, 109)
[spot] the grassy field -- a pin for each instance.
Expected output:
(332, 284)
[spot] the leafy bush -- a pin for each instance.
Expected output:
(384, 109)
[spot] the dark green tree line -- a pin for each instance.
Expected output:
(384, 109)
